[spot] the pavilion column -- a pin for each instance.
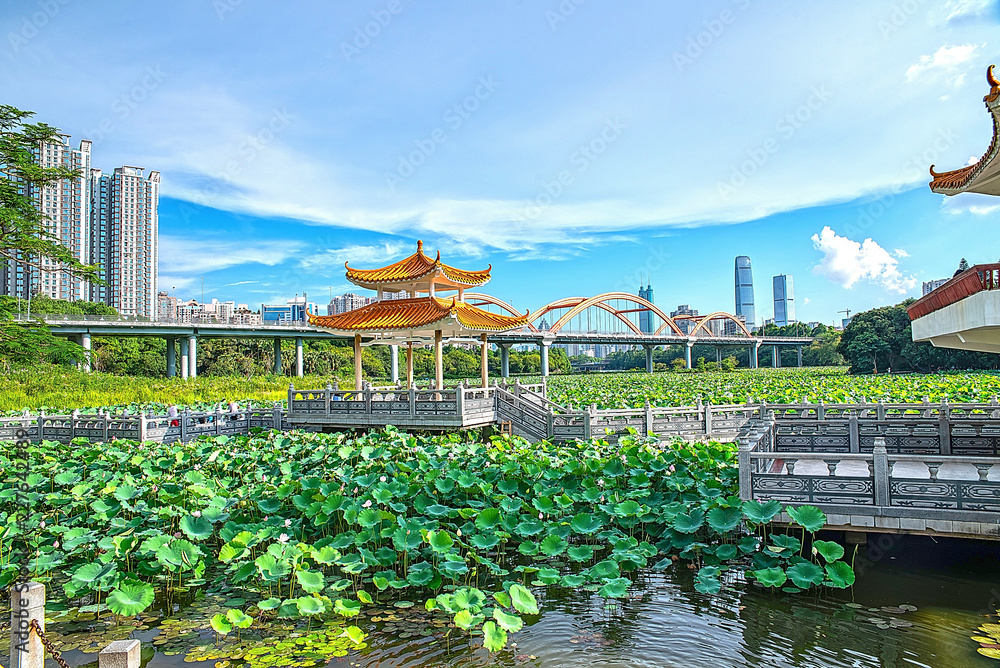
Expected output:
(85, 342)
(775, 357)
(298, 356)
(277, 356)
(798, 350)
(171, 357)
(505, 360)
(687, 354)
(394, 363)
(543, 352)
(184, 358)
(438, 360)
(409, 365)
(357, 362)
(485, 361)
(193, 356)
(649, 359)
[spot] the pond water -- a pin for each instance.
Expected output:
(954, 586)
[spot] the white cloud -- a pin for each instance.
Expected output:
(805, 300)
(227, 285)
(183, 255)
(899, 252)
(945, 58)
(846, 262)
(960, 9)
(357, 255)
(974, 203)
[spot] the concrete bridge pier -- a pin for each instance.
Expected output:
(171, 357)
(687, 354)
(277, 356)
(543, 351)
(755, 355)
(718, 356)
(193, 356)
(298, 356)
(798, 350)
(775, 357)
(649, 358)
(394, 363)
(184, 359)
(85, 342)
(504, 360)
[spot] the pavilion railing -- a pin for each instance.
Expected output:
(975, 279)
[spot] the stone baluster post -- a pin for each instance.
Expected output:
(121, 654)
(880, 470)
(27, 604)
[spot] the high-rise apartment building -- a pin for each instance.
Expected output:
(930, 286)
(124, 227)
(66, 207)
(110, 220)
(744, 291)
(686, 325)
(784, 300)
(646, 317)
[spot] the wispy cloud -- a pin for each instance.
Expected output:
(227, 285)
(183, 255)
(946, 58)
(963, 9)
(359, 255)
(899, 252)
(846, 262)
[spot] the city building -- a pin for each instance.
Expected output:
(347, 302)
(166, 307)
(784, 300)
(930, 286)
(244, 316)
(646, 317)
(294, 310)
(744, 291)
(124, 231)
(687, 322)
(66, 206)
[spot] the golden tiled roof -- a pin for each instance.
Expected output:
(416, 313)
(415, 267)
(960, 179)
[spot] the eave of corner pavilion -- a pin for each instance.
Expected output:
(983, 176)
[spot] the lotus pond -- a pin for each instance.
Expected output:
(392, 549)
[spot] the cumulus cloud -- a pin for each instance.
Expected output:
(899, 252)
(846, 262)
(946, 58)
(974, 203)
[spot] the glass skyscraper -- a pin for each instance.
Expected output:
(744, 291)
(784, 301)
(646, 317)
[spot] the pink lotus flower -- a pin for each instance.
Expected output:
(288, 523)
(367, 504)
(41, 524)
(197, 513)
(56, 545)
(539, 516)
(382, 479)
(283, 538)
(177, 534)
(155, 489)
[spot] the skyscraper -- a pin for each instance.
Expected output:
(744, 291)
(646, 317)
(784, 300)
(66, 206)
(124, 229)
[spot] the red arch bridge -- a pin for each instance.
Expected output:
(615, 319)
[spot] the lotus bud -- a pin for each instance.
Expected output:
(382, 479)
(41, 524)
(539, 516)
(460, 534)
(197, 513)
(56, 545)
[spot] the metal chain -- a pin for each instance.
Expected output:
(48, 644)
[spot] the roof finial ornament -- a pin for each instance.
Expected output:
(991, 78)
(934, 174)
(420, 245)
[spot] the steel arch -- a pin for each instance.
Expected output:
(490, 299)
(578, 305)
(703, 322)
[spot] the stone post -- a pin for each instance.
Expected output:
(120, 654)
(649, 418)
(880, 470)
(27, 604)
(854, 434)
(944, 428)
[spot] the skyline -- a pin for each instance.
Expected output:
(654, 164)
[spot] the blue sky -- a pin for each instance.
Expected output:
(573, 144)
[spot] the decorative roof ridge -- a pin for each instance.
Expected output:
(957, 179)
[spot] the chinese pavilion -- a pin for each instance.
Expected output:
(427, 314)
(983, 176)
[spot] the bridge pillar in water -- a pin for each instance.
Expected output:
(687, 354)
(85, 342)
(775, 357)
(298, 356)
(755, 355)
(276, 367)
(543, 352)
(798, 350)
(649, 359)
(184, 358)
(394, 363)
(192, 356)
(171, 357)
(505, 360)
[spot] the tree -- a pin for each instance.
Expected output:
(823, 350)
(963, 265)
